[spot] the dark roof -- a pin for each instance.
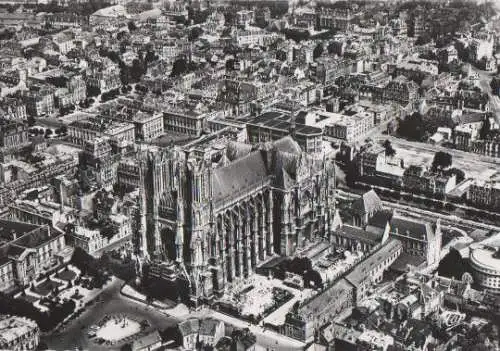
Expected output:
(36, 238)
(402, 262)
(380, 219)
(363, 271)
(358, 234)
(415, 228)
(281, 121)
(15, 251)
(20, 228)
(243, 173)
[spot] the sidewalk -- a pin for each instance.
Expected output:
(180, 311)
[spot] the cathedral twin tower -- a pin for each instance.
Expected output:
(217, 212)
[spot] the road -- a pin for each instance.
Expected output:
(431, 148)
(475, 166)
(75, 334)
(484, 84)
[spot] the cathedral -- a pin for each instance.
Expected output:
(216, 212)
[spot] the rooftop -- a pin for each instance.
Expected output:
(14, 327)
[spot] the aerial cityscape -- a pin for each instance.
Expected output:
(250, 175)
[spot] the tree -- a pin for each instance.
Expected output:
(318, 51)
(495, 85)
(195, 33)
(452, 265)
(179, 67)
(230, 64)
(313, 279)
(441, 161)
(389, 150)
(131, 26)
(48, 132)
(352, 174)
(412, 127)
(137, 70)
(299, 265)
(150, 56)
(485, 129)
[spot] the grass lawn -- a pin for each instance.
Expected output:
(46, 287)
(67, 275)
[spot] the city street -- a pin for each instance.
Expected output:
(484, 83)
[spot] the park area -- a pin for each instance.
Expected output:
(46, 287)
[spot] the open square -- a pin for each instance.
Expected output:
(117, 328)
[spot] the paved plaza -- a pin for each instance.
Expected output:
(118, 328)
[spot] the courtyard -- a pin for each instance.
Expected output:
(258, 296)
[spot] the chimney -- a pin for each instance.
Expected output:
(13, 234)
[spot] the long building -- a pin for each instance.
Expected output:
(303, 322)
(219, 213)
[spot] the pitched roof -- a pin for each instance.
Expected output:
(358, 234)
(244, 172)
(318, 304)
(288, 144)
(146, 340)
(369, 203)
(363, 271)
(380, 219)
(209, 326)
(415, 228)
(236, 150)
(190, 326)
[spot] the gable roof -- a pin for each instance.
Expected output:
(244, 172)
(209, 326)
(146, 341)
(369, 203)
(414, 228)
(288, 144)
(190, 326)
(358, 234)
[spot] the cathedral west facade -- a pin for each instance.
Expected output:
(216, 213)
